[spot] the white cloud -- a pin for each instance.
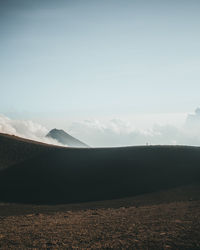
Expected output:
(26, 129)
(193, 120)
(113, 132)
(117, 132)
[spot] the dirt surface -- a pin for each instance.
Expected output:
(152, 221)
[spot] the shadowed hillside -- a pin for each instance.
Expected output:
(15, 149)
(64, 175)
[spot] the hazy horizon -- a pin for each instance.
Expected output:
(168, 129)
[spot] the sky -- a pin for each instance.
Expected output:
(73, 62)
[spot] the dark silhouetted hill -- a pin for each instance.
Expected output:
(15, 149)
(50, 174)
(64, 138)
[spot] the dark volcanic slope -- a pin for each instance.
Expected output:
(64, 175)
(14, 149)
(66, 139)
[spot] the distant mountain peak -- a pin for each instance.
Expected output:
(66, 139)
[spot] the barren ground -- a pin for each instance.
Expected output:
(162, 220)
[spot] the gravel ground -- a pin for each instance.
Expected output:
(171, 225)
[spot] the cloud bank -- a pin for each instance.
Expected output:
(26, 129)
(118, 132)
(114, 132)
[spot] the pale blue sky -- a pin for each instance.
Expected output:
(105, 57)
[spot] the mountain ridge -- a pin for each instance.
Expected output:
(64, 138)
